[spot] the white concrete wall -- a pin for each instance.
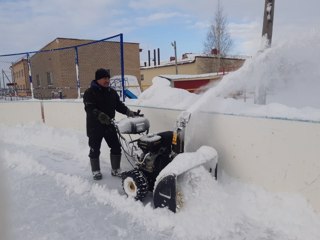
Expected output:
(13, 113)
(279, 155)
(66, 114)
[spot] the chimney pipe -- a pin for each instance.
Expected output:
(158, 56)
(154, 57)
(149, 58)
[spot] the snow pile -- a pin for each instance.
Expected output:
(56, 183)
(189, 160)
(160, 94)
(4, 200)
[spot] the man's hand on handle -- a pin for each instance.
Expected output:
(130, 113)
(104, 118)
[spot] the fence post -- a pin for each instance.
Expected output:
(77, 71)
(30, 76)
(122, 65)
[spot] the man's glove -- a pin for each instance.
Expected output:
(130, 113)
(104, 118)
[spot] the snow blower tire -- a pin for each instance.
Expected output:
(135, 184)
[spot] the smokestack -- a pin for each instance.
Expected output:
(149, 58)
(158, 56)
(154, 57)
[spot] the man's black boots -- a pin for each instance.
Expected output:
(115, 165)
(95, 167)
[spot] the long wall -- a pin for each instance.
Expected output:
(279, 155)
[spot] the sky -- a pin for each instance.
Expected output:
(28, 25)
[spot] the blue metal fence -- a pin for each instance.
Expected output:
(62, 68)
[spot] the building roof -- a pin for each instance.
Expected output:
(190, 58)
(191, 76)
(81, 41)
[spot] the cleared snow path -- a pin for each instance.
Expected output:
(53, 196)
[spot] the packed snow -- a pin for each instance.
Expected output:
(52, 196)
(205, 155)
(50, 193)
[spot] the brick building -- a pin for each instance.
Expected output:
(192, 64)
(20, 78)
(54, 72)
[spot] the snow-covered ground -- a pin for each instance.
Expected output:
(50, 193)
(52, 196)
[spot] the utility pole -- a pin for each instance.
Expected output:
(261, 92)
(268, 20)
(2, 89)
(174, 45)
(2, 80)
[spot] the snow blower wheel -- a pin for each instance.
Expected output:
(135, 184)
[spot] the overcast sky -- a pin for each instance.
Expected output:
(28, 25)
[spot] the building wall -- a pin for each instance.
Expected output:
(150, 72)
(61, 65)
(213, 64)
(20, 74)
(191, 86)
(195, 83)
(200, 65)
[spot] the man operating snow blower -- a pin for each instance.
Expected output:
(101, 103)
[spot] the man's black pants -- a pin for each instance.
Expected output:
(110, 136)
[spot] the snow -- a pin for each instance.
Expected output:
(160, 94)
(188, 160)
(52, 196)
(50, 193)
(133, 125)
(151, 137)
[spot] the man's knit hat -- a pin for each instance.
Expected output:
(102, 73)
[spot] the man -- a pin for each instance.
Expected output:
(100, 103)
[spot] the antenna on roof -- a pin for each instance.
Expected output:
(174, 45)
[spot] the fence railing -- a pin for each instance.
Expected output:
(63, 68)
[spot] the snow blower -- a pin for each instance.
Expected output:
(158, 160)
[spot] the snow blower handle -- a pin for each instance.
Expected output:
(137, 113)
(113, 122)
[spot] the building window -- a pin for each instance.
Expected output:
(142, 77)
(50, 78)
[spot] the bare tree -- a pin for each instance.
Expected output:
(218, 36)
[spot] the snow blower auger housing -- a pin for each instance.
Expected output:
(153, 158)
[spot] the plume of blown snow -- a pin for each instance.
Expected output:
(288, 71)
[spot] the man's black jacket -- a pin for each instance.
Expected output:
(98, 99)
